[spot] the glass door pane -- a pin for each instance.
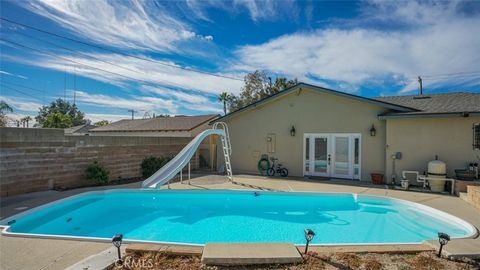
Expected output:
(356, 157)
(341, 151)
(321, 153)
(307, 155)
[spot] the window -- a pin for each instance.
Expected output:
(476, 136)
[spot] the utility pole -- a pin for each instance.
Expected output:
(65, 85)
(133, 113)
(74, 84)
(421, 85)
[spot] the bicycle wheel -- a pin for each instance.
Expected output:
(270, 172)
(284, 172)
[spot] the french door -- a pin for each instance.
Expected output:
(332, 155)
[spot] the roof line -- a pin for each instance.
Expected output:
(428, 115)
(208, 120)
(316, 88)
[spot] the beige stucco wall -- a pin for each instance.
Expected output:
(309, 112)
(420, 139)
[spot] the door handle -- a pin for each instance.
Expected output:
(328, 159)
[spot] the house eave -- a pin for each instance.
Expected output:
(428, 115)
(300, 87)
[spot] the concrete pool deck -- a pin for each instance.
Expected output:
(29, 253)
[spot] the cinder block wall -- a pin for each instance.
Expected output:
(40, 159)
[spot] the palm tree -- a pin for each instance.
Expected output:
(4, 107)
(224, 97)
(26, 119)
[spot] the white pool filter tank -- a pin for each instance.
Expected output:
(437, 172)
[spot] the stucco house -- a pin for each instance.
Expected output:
(318, 132)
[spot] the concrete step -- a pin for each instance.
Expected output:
(463, 196)
(102, 260)
(458, 248)
(250, 253)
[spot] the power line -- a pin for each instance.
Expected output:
(119, 52)
(79, 63)
(466, 73)
(19, 91)
(37, 98)
(464, 77)
(78, 52)
(22, 86)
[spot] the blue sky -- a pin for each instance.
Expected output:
(146, 54)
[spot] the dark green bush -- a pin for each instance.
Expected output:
(203, 162)
(97, 173)
(152, 164)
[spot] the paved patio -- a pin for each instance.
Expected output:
(26, 253)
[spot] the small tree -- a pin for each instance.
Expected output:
(97, 173)
(57, 120)
(62, 107)
(224, 98)
(4, 109)
(102, 123)
(152, 164)
(25, 120)
(257, 85)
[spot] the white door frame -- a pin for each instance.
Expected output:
(312, 153)
(331, 153)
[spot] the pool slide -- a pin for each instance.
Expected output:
(169, 170)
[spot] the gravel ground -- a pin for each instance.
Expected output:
(369, 261)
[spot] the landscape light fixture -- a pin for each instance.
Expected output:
(443, 239)
(309, 234)
(373, 131)
(117, 242)
(292, 131)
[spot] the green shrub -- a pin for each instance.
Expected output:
(152, 164)
(203, 162)
(97, 173)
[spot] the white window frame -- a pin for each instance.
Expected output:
(476, 137)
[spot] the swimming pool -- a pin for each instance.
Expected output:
(197, 217)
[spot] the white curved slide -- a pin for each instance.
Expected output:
(174, 166)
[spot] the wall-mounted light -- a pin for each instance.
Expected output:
(309, 234)
(292, 131)
(117, 242)
(373, 131)
(443, 239)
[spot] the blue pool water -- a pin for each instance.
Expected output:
(198, 217)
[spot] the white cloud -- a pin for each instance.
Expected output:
(179, 95)
(125, 24)
(140, 71)
(14, 117)
(258, 10)
(204, 108)
(15, 75)
(138, 103)
(434, 39)
(96, 117)
(21, 104)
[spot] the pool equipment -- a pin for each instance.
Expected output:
(436, 173)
